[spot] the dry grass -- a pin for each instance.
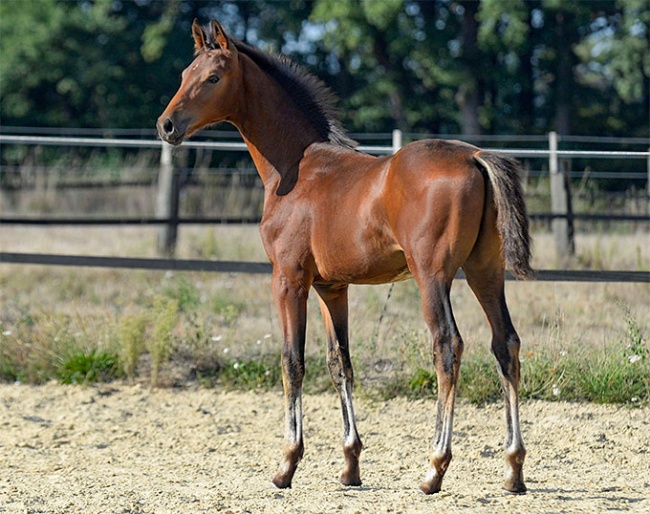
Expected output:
(226, 316)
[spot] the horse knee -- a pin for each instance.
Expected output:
(293, 366)
(506, 350)
(336, 370)
(447, 354)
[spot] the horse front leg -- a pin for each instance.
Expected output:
(334, 307)
(290, 294)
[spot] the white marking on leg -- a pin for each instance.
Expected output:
(350, 431)
(293, 426)
(516, 442)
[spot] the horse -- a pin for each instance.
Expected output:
(334, 216)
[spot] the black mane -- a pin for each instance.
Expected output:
(312, 96)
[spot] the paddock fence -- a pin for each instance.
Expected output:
(162, 264)
(167, 181)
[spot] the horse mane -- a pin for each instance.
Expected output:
(310, 94)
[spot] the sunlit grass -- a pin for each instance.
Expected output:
(579, 341)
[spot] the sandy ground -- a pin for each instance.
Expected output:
(125, 449)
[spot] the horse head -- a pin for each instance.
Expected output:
(209, 88)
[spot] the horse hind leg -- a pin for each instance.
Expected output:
(334, 307)
(447, 346)
(487, 283)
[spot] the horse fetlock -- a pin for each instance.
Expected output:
(514, 481)
(284, 476)
(351, 473)
(283, 480)
(432, 483)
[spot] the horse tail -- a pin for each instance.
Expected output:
(512, 221)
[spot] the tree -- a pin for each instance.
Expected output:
(428, 66)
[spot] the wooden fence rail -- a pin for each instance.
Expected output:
(167, 204)
(265, 267)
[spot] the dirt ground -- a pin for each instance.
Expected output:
(125, 449)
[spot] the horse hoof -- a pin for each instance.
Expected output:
(281, 482)
(514, 481)
(429, 488)
(350, 480)
(515, 487)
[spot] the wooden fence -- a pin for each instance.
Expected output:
(265, 267)
(167, 216)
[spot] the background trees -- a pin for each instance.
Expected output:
(438, 66)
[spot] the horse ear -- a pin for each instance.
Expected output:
(197, 34)
(220, 35)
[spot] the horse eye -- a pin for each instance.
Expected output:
(213, 79)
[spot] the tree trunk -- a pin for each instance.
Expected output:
(469, 95)
(396, 105)
(564, 73)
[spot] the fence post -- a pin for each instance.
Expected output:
(560, 203)
(397, 140)
(167, 203)
(647, 186)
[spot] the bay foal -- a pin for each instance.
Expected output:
(334, 216)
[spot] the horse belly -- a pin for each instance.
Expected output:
(368, 266)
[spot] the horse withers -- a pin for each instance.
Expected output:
(334, 216)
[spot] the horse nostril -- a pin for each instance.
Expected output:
(168, 126)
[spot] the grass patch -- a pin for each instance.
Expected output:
(85, 368)
(40, 348)
(606, 378)
(265, 373)
(612, 381)
(582, 342)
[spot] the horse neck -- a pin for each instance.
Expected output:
(274, 130)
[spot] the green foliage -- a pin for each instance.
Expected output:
(504, 25)
(263, 373)
(227, 309)
(608, 378)
(184, 293)
(73, 63)
(87, 368)
(479, 380)
(611, 379)
(431, 67)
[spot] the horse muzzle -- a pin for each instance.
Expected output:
(171, 131)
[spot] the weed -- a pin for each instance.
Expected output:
(263, 373)
(613, 380)
(479, 381)
(185, 294)
(635, 348)
(228, 310)
(131, 342)
(543, 377)
(86, 368)
(164, 317)
(423, 381)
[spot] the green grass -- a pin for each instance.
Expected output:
(581, 342)
(88, 368)
(43, 347)
(58, 352)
